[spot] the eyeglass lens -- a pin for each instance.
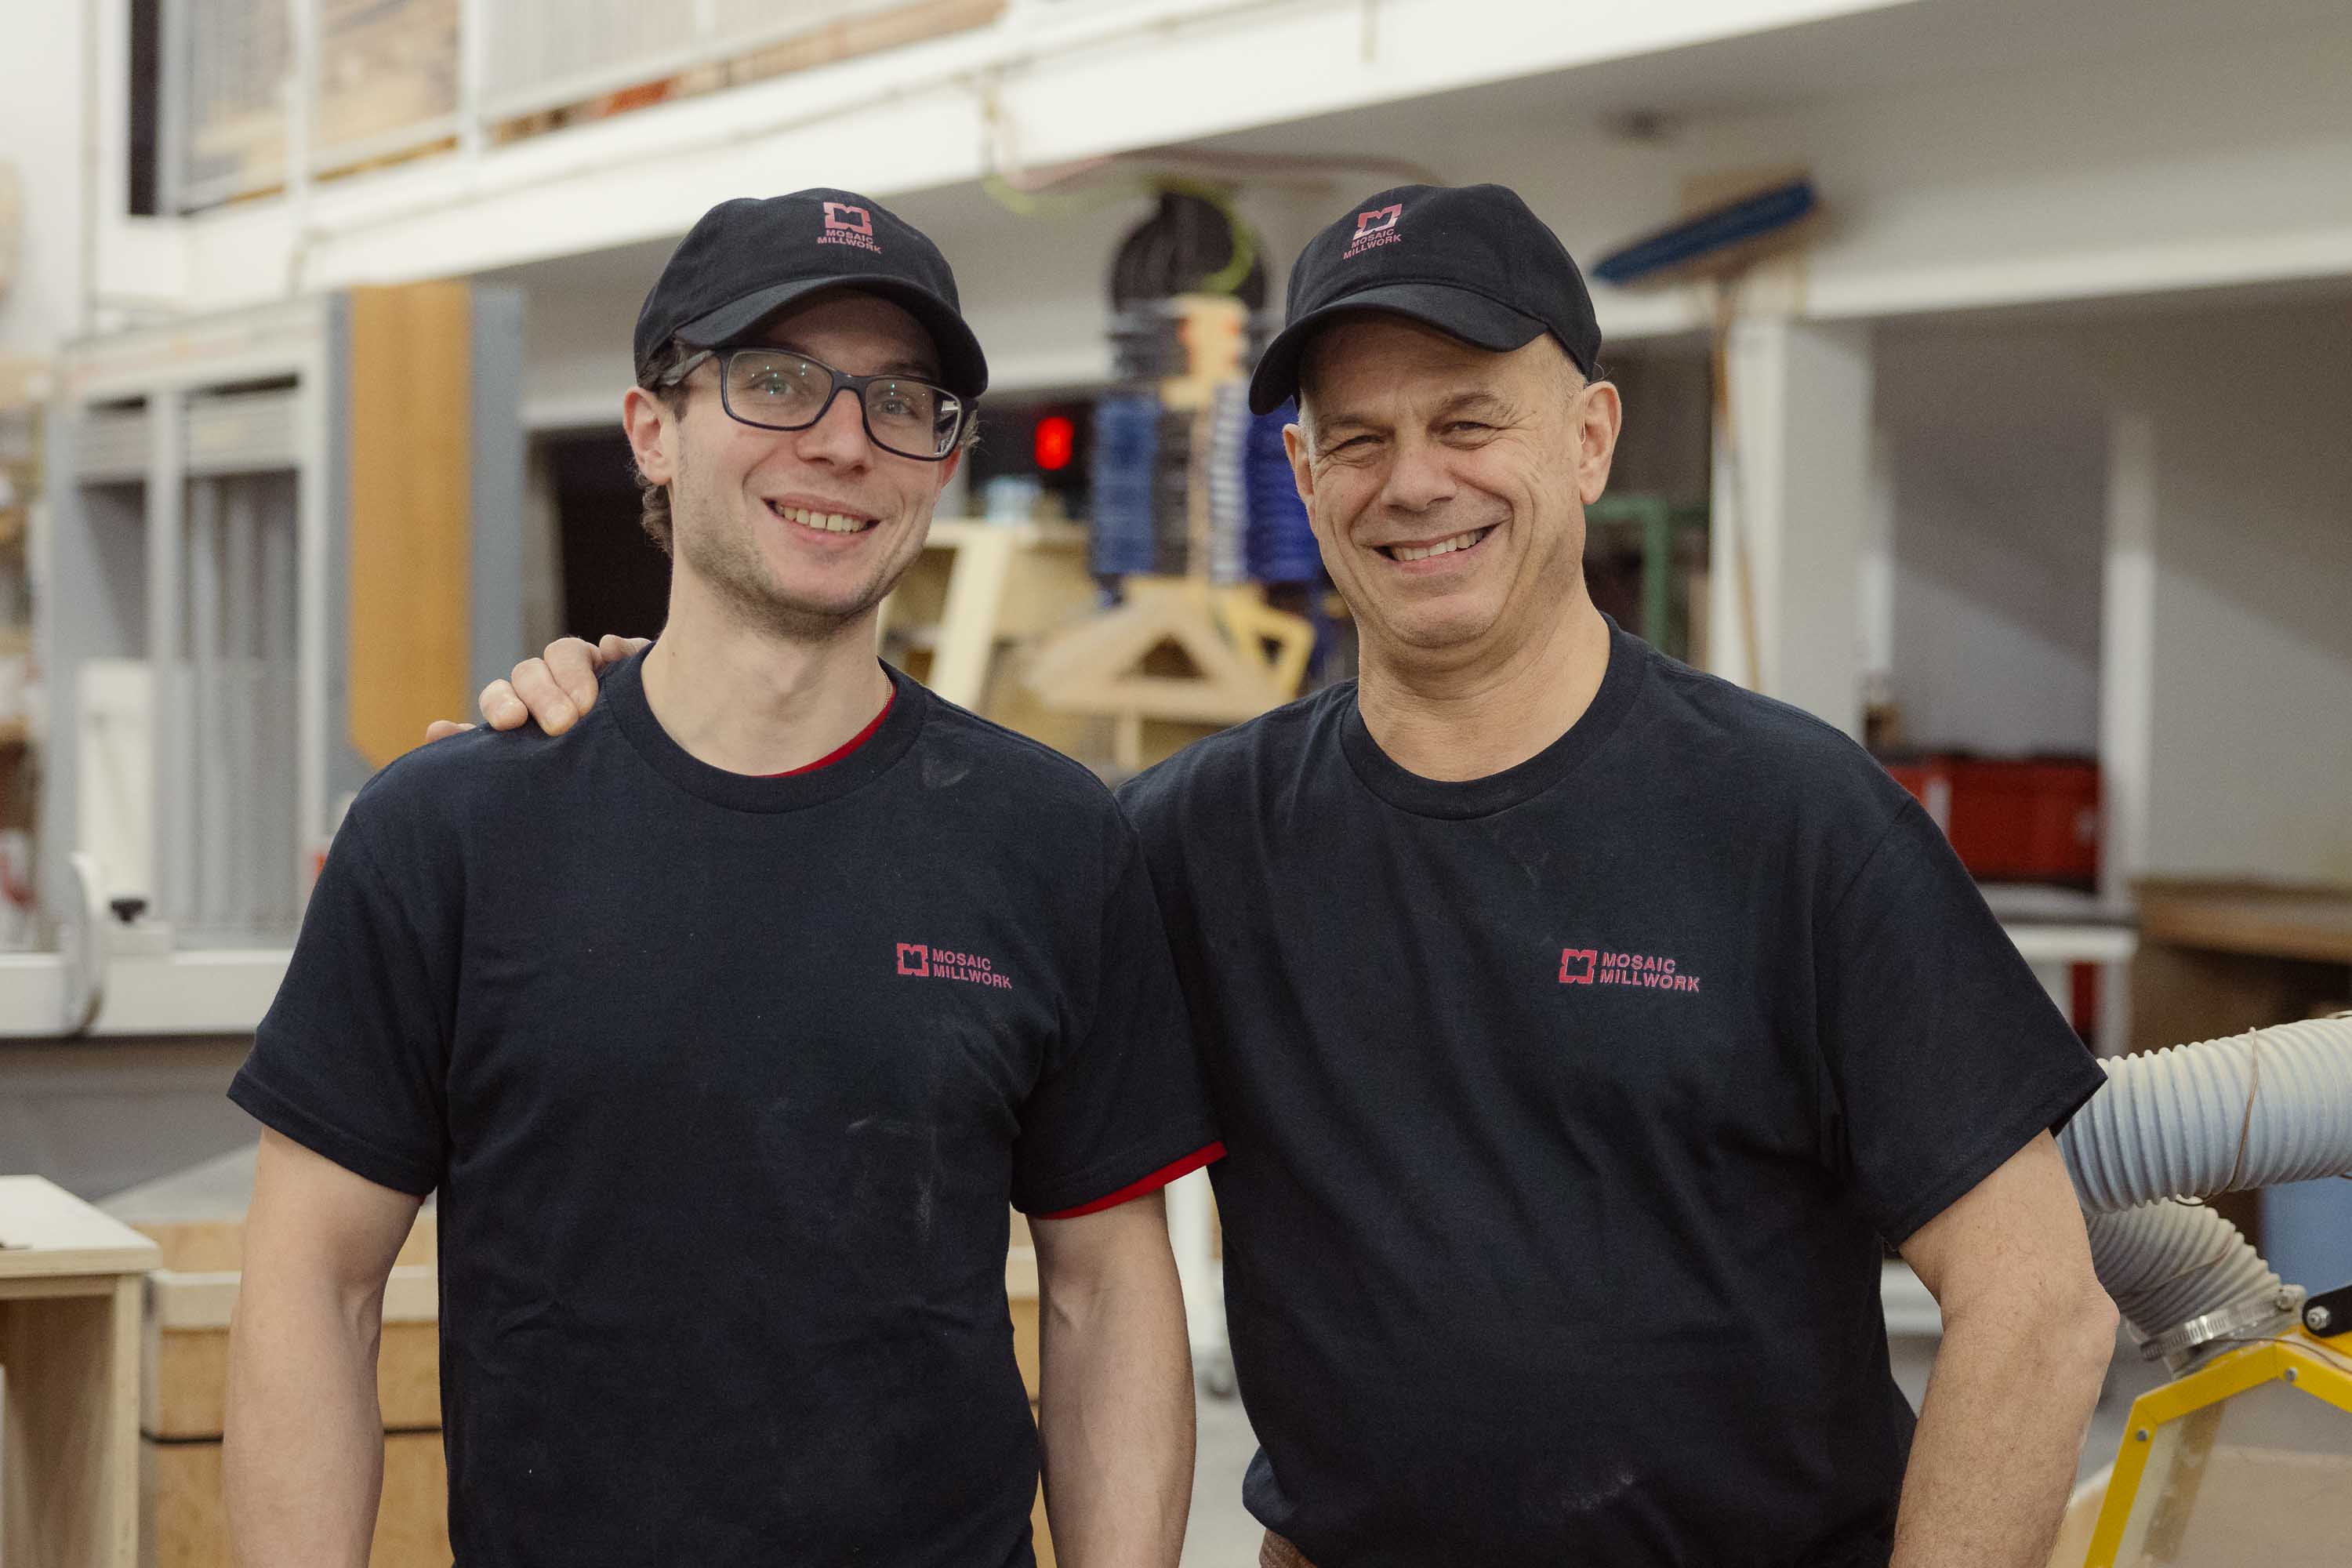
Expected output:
(786, 392)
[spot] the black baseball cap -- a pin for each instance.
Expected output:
(746, 260)
(1470, 260)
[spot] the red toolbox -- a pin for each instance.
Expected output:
(2025, 820)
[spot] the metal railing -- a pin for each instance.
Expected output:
(260, 95)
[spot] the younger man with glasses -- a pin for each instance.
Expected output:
(728, 1024)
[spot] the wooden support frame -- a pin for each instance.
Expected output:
(70, 1338)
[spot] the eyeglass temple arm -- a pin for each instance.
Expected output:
(686, 367)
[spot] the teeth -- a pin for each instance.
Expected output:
(1422, 553)
(826, 521)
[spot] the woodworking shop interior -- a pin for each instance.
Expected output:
(2020, 454)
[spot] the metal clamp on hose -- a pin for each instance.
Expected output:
(2236, 1321)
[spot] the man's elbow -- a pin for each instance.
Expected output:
(2095, 1321)
(2076, 1329)
(2066, 1325)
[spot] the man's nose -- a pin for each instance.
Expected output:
(1419, 477)
(838, 437)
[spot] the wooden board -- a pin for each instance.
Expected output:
(71, 1484)
(410, 513)
(46, 1231)
(217, 1246)
(186, 1388)
(832, 42)
(2310, 923)
(187, 1527)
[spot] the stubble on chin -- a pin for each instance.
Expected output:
(733, 568)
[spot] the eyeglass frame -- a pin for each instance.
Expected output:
(725, 355)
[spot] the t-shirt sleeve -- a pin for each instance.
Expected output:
(1944, 1055)
(351, 1061)
(1123, 1103)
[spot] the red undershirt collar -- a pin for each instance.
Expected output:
(847, 746)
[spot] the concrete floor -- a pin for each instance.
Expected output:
(1222, 1535)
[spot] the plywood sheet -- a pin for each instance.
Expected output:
(187, 1527)
(217, 1246)
(2312, 923)
(70, 1497)
(190, 1385)
(410, 513)
(46, 1231)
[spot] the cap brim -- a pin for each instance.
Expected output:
(963, 369)
(1457, 312)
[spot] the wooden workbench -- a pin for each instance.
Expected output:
(70, 1280)
(2219, 958)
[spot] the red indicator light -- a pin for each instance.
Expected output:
(1055, 438)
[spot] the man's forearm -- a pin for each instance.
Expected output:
(303, 1450)
(2000, 1432)
(1115, 1420)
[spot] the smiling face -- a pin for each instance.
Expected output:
(800, 532)
(1446, 485)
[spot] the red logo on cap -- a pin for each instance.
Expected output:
(1375, 227)
(847, 224)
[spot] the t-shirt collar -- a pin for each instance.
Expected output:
(624, 689)
(1629, 660)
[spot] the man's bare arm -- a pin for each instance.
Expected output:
(555, 689)
(303, 1451)
(1115, 1411)
(2026, 1336)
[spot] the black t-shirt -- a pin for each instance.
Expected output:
(726, 1083)
(1565, 1112)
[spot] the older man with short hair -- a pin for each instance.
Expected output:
(1582, 1026)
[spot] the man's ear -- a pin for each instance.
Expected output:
(1302, 471)
(648, 422)
(948, 467)
(1601, 415)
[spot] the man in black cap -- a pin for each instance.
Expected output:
(1562, 1162)
(728, 1024)
(1582, 1025)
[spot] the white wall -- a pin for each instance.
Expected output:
(1995, 435)
(1997, 603)
(2239, 734)
(2250, 722)
(41, 134)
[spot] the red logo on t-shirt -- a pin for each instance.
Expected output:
(1600, 966)
(921, 961)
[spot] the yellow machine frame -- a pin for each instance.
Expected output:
(2310, 1365)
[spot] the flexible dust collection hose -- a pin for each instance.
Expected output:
(2167, 1263)
(2269, 1106)
(2252, 1110)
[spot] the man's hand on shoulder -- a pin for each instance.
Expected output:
(555, 689)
